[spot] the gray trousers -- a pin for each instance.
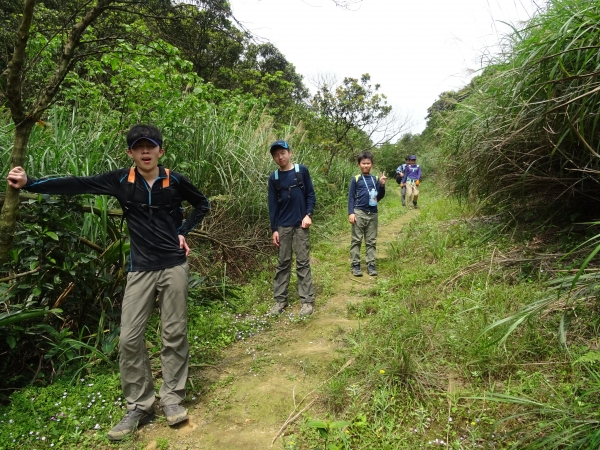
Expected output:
(170, 287)
(403, 195)
(365, 227)
(296, 239)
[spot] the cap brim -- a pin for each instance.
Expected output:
(141, 139)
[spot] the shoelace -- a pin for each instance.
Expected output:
(172, 407)
(126, 417)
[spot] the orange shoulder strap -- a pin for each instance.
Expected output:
(165, 182)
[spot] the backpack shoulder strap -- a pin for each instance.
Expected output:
(298, 176)
(166, 185)
(130, 187)
(277, 183)
(357, 177)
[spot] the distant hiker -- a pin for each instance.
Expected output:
(150, 197)
(363, 195)
(291, 203)
(412, 179)
(400, 171)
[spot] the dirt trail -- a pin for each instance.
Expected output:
(260, 381)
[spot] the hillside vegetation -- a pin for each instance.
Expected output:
(488, 298)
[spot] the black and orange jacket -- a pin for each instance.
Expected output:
(153, 225)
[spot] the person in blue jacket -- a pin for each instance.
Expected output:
(364, 193)
(292, 201)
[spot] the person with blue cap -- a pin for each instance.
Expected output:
(292, 199)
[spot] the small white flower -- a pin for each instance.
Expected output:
(97, 427)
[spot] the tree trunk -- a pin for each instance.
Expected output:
(8, 216)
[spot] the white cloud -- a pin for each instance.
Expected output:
(415, 49)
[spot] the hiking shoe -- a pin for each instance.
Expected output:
(307, 309)
(277, 308)
(356, 271)
(132, 421)
(175, 414)
(371, 270)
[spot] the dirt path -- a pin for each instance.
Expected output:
(262, 381)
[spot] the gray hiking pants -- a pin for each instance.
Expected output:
(170, 287)
(365, 227)
(296, 238)
(403, 195)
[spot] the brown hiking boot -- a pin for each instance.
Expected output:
(307, 309)
(133, 419)
(175, 414)
(278, 308)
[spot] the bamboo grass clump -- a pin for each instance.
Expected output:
(527, 137)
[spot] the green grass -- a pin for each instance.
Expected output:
(434, 378)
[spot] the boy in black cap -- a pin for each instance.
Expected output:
(150, 197)
(291, 204)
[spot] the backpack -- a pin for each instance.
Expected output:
(398, 177)
(299, 182)
(177, 215)
(131, 190)
(357, 177)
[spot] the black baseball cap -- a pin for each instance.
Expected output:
(279, 144)
(141, 131)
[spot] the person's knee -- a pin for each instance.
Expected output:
(131, 341)
(174, 336)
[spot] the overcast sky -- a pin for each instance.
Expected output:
(415, 49)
